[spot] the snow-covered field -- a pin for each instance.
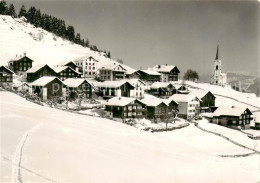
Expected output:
(42, 144)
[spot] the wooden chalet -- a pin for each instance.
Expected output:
(156, 108)
(65, 72)
(20, 64)
(78, 85)
(233, 117)
(168, 72)
(6, 76)
(162, 89)
(125, 108)
(47, 87)
(108, 89)
(39, 71)
(149, 76)
(112, 72)
(70, 64)
(207, 99)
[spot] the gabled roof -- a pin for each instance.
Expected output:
(64, 63)
(62, 68)
(135, 81)
(111, 67)
(113, 84)
(151, 72)
(153, 102)
(230, 111)
(74, 82)
(164, 68)
(44, 81)
(19, 58)
(120, 101)
(80, 59)
(37, 67)
(168, 101)
(8, 69)
(200, 93)
(184, 97)
(157, 85)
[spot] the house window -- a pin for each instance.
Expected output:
(118, 108)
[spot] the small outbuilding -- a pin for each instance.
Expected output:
(6, 76)
(78, 85)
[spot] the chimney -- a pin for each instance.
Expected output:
(24, 53)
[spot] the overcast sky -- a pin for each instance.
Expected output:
(186, 34)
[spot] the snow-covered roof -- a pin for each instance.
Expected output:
(44, 80)
(199, 93)
(151, 72)
(74, 82)
(112, 84)
(119, 101)
(18, 58)
(156, 85)
(164, 68)
(36, 68)
(111, 66)
(135, 81)
(229, 111)
(63, 63)
(8, 69)
(168, 101)
(80, 59)
(153, 102)
(62, 68)
(183, 97)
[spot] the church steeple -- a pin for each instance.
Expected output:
(217, 54)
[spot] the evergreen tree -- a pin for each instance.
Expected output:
(70, 33)
(109, 55)
(11, 11)
(22, 12)
(37, 19)
(77, 39)
(31, 15)
(87, 43)
(3, 8)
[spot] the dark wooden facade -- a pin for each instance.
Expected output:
(72, 65)
(147, 77)
(131, 110)
(173, 75)
(242, 121)
(208, 100)
(54, 89)
(110, 91)
(43, 71)
(6, 75)
(22, 64)
(163, 91)
(159, 111)
(68, 73)
(85, 88)
(173, 106)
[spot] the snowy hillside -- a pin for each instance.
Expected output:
(68, 147)
(43, 47)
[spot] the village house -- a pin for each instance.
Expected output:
(47, 87)
(188, 105)
(70, 64)
(168, 72)
(39, 71)
(149, 76)
(139, 87)
(180, 88)
(6, 76)
(88, 66)
(65, 72)
(207, 100)
(162, 89)
(156, 108)
(233, 117)
(20, 64)
(256, 121)
(21, 87)
(123, 107)
(132, 74)
(112, 72)
(172, 105)
(108, 89)
(78, 85)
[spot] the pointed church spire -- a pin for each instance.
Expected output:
(217, 54)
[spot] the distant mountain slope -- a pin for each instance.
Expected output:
(17, 36)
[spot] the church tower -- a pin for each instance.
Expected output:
(218, 78)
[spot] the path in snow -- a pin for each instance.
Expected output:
(16, 172)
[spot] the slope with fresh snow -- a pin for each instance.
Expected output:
(42, 144)
(18, 37)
